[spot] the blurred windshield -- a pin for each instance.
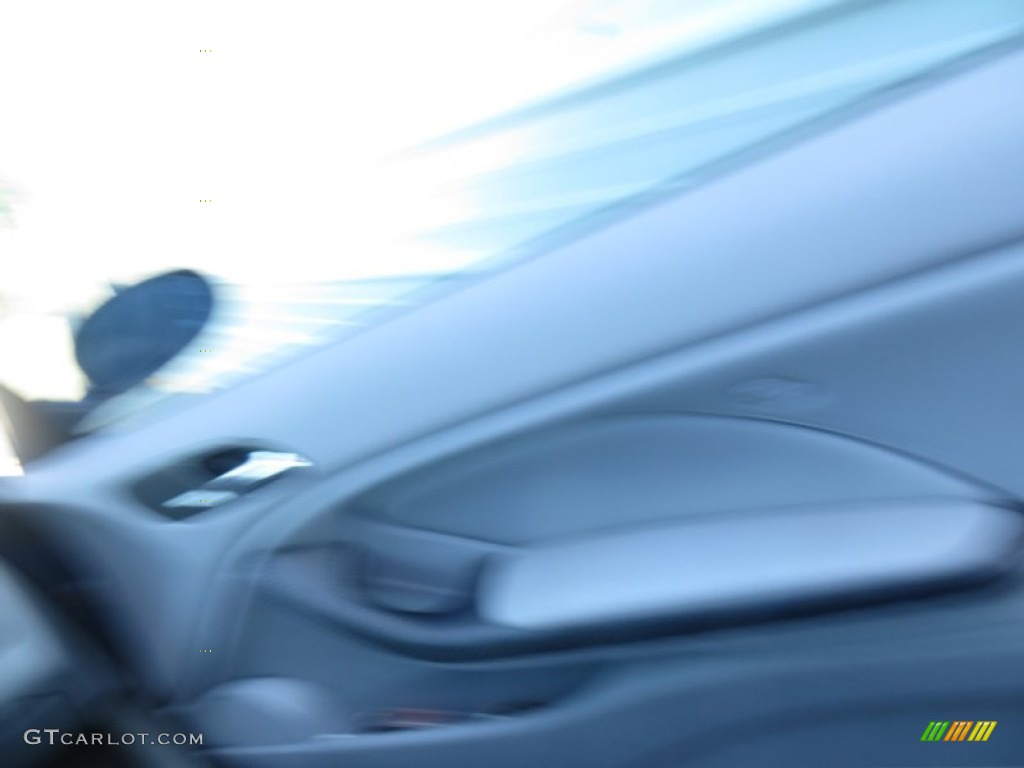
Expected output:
(263, 146)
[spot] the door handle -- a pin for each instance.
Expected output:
(256, 470)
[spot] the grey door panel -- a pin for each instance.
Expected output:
(700, 700)
(673, 630)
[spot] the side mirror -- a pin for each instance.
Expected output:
(140, 329)
(135, 333)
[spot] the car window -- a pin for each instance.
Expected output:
(702, 84)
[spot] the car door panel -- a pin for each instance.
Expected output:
(668, 703)
(522, 651)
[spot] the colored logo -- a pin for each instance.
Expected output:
(958, 730)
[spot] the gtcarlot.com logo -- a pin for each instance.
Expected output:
(54, 736)
(958, 730)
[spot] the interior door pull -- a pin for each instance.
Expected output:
(258, 468)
